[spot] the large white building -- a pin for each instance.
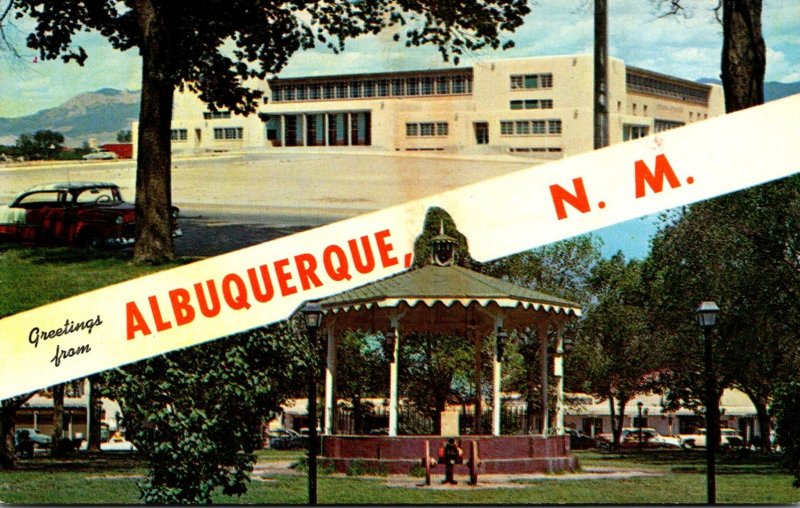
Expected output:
(542, 106)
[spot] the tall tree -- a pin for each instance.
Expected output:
(744, 53)
(8, 412)
(742, 251)
(359, 357)
(196, 414)
(615, 339)
(433, 368)
(240, 41)
(58, 419)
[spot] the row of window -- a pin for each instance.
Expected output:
(531, 81)
(216, 115)
(535, 149)
(179, 135)
(228, 133)
(358, 89)
(665, 125)
(528, 127)
(663, 88)
(427, 129)
(532, 104)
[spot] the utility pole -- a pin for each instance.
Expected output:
(600, 74)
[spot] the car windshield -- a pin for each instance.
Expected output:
(97, 195)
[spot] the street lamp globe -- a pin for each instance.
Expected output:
(707, 314)
(312, 313)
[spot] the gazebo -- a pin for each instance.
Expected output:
(449, 299)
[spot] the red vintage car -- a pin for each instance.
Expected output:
(90, 214)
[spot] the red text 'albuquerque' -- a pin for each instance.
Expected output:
(259, 284)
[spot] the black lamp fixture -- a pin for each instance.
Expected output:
(389, 341)
(707, 318)
(707, 314)
(312, 314)
(568, 344)
(500, 343)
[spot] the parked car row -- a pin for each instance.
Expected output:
(286, 439)
(648, 437)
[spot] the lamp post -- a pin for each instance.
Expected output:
(312, 313)
(707, 319)
(639, 421)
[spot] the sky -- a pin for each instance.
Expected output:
(687, 47)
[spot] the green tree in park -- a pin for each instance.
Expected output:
(196, 415)
(44, 144)
(786, 411)
(563, 269)
(124, 136)
(615, 347)
(742, 251)
(362, 372)
(240, 40)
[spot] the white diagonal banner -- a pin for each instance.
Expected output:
(265, 283)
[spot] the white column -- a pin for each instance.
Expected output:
(543, 327)
(330, 384)
(558, 369)
(393, 379)
(498, 403)
(497, 381)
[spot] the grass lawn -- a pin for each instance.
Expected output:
(30, 277)
(752, 480)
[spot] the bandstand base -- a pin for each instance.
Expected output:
(497, 454)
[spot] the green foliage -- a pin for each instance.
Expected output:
(196, 414)
(615, 346)
(435, 369)
(742, 251)
(785, 409)
(44, 144)
(324, 467)
(562, 268)
(124, 136)
(262, 36)
(417, 471)
(435, 219)
(359, 467)
(361, 360)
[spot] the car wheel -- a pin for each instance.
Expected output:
(688, 445)
(91, 240)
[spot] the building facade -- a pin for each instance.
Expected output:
(541, 106)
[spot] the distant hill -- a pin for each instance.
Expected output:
(772, 90)
(103, 113)
(100, 114)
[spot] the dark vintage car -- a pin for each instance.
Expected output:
(90, 214)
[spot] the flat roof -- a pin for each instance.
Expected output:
(457, 71)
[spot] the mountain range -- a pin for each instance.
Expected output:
(99, 115)
(103, 113)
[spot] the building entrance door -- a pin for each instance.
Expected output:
(481, 133)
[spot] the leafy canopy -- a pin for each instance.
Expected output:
(214, 47)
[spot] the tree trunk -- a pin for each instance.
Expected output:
(764, 425)
(58, 420)
(617, 420)
(8, 412)
(477, 428)
(153, 166)
(744, 53)
(93, 434)
(7, 450)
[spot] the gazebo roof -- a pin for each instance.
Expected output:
(447, 285)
